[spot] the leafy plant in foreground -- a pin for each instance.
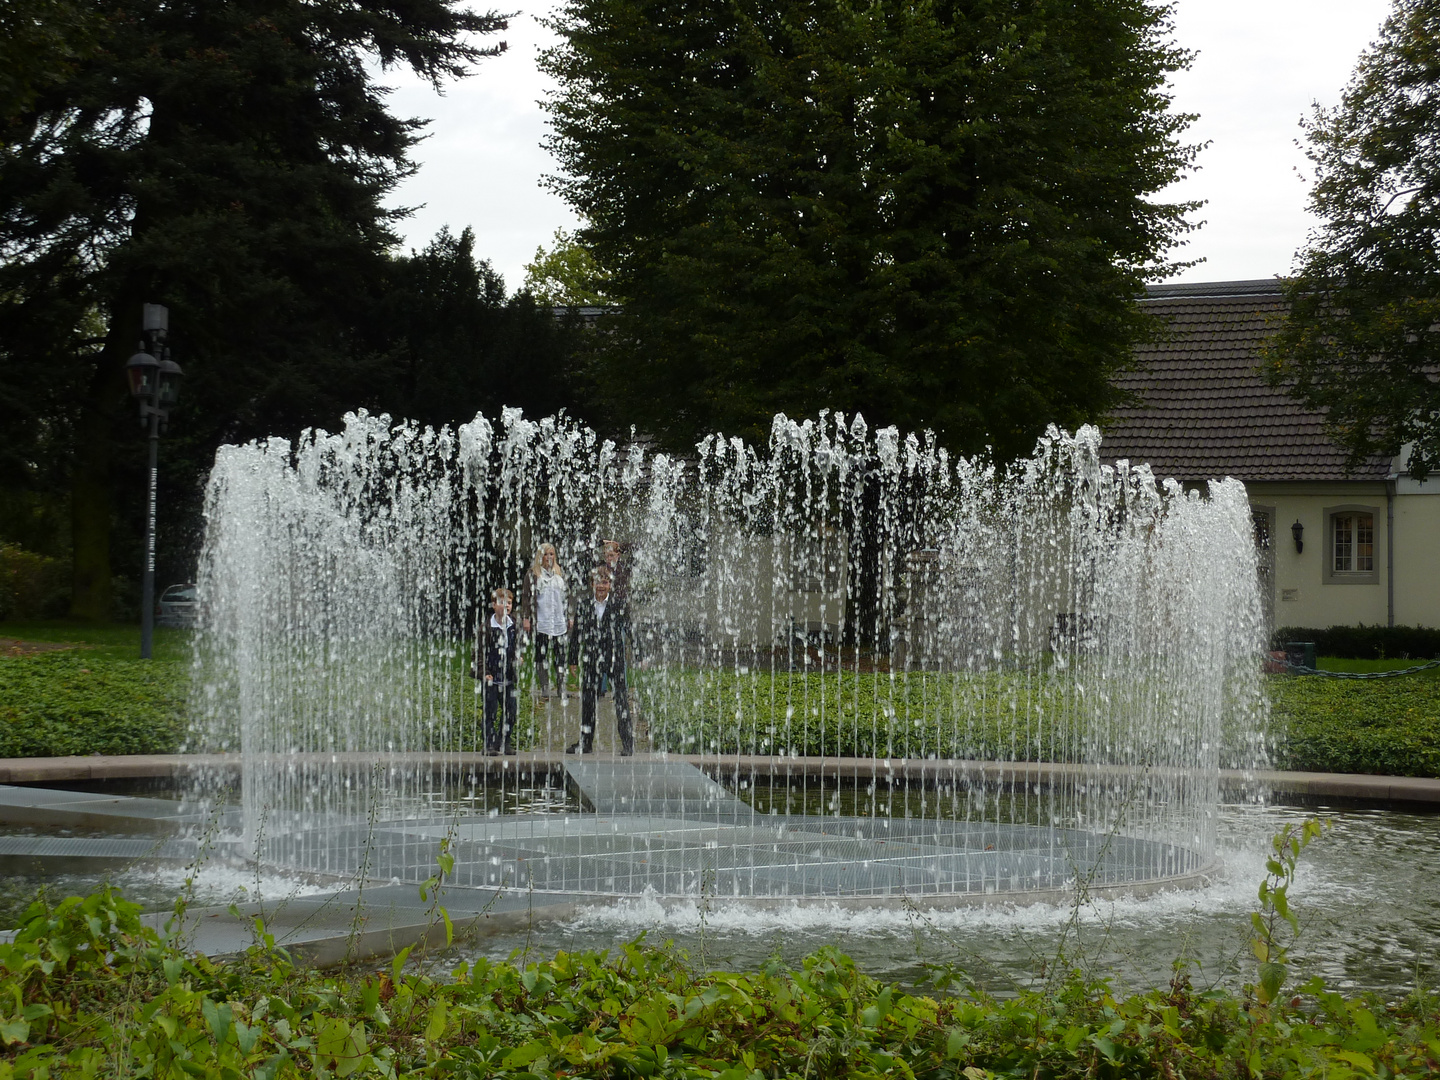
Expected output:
(1275, 927)
(87, 989)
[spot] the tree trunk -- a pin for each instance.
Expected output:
(90, 483)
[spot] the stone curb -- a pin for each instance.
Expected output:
(1423, 791)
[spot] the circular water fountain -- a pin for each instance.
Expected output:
(860, 670)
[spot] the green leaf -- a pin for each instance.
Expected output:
(397, 965)
(218, 1017)
(1272, 978)
(1362, 1062)
(246, 1036)
(525, 1054)
(436, 1027)
(1105, 1045)
(956, 1042)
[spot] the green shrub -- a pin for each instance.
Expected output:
(32, 586)
(63, 703)
(1365, 642)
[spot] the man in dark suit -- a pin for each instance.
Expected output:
(597, 646)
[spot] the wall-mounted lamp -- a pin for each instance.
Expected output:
(1298, 531)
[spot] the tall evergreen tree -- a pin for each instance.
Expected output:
(937, 213)
(228, 159)
(457, 344)
(1362, 340)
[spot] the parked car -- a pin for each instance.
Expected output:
(177, 606)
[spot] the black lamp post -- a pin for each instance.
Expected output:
(155, 384)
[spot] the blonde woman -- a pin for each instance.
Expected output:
(545, 612)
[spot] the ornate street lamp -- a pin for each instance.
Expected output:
(154, 383)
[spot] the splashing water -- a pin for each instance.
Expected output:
(901, 672)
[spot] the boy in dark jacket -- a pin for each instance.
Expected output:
(500, 667)
(597, 646)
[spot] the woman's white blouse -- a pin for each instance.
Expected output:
(550, 603)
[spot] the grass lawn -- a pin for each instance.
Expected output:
(99, 697)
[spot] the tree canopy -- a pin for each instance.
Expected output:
(938, 214)
(1362, 340)
(566, 275)
(229, 160)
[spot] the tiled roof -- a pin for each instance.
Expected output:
(1206, 412)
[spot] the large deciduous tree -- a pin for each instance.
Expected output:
(229, 160)
(939, 213)
(1362, 340)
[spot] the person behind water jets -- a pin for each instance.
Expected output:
(544, 611)
(497, 662)
(598, 648)
(612, 558)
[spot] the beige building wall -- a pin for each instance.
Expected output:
(1308, 593)
(1417, 553)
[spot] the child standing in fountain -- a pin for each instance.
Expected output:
(502, 687)
(598, 648)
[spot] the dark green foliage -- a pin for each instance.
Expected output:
(70, 703)
(89, 990)
(40, 42)
(229, 160)
(32, 586)
(938, 214)
(1365, 642)
(1389, 727)
(457, 345)
(1362, 341)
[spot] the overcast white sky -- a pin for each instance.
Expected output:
(1261, 63)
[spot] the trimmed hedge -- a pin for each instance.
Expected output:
(32, 586)
(1365, 642)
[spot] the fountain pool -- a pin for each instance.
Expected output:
(839, 601)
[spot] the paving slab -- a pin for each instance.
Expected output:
(45, 806)
(650, 785)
